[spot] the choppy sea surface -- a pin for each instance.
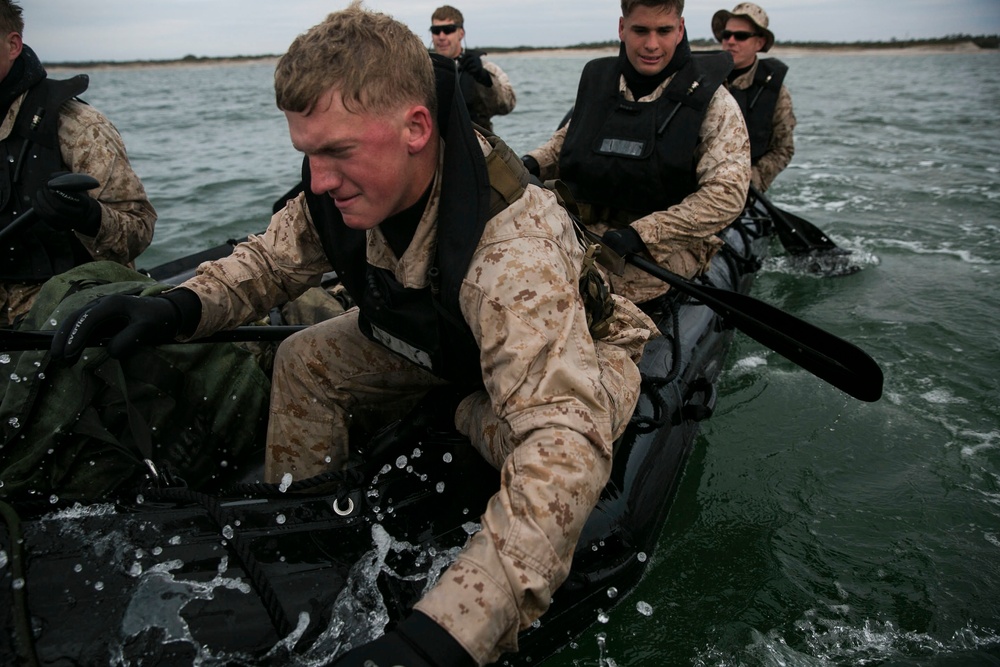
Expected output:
(810, 528)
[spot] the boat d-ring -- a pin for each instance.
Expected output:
(342, 511)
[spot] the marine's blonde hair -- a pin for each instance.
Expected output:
(374, 61)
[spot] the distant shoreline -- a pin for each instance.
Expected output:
(778, 50)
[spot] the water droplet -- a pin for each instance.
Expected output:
(286, 481)
(641, 556)
(280, 519)
(227, 532)
(401, 462)
(99, 586)
(3, 558)
(644, 608)
(135, 570)
(17, 584)
(612, 592)
(602, 617)
(4, 358)
(53, 499)
(385, 469)
(439, 487)
(78, 568)
(447, 457)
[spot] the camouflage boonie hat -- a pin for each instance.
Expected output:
(748, 11)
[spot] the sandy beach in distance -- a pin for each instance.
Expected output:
(777, 51)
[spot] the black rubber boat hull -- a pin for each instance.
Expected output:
(264, 575)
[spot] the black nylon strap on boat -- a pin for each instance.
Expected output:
(24, 642)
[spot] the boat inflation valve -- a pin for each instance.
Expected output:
(347, 510)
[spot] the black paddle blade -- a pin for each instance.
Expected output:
(826, 356)
(830, 263)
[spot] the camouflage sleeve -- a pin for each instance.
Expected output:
(541, 370)
(547, 154)
(498, 98)
(90, 144)
(723, 174)
(262, 272)
(782, 146)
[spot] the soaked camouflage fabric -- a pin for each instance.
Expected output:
(782, 147)
(554, 400)
(90, 144)
(683, 237)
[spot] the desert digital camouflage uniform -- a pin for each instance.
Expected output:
(91, 145)
(782, 145)
(683, 237)
(498, 99)
(553, 403)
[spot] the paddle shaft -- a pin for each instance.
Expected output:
(13, 340)
(799, 236)
(826, 356)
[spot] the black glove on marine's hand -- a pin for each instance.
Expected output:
(531, 164)
(473, 64)
(129, 321)
(625, 241)
(416, 642)
(66, 211)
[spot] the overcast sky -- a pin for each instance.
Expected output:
(80, 30)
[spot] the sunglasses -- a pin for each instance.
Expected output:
(740, 35)
(446, 29)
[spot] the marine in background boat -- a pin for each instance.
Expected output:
(486, 88)
(46, 130)
(656, 153)
(466, 276)
(758, 86)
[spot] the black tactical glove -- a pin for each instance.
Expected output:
(67, 211)
(129, 321)
(416, 642)
(472, 63)
(625, 241)
(531, 164)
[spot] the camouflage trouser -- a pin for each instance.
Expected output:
(15, 301)
(322, 375)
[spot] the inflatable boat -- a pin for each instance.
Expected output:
(295, 574)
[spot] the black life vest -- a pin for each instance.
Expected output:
(638, 157)
(758, 102)
(426, 325)
(28, 158)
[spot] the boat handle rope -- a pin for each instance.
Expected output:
(241, 549)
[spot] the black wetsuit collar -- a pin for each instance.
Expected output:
(400, 228)
(642, 84)
(25, 72)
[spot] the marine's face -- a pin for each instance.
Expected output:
(651, 35)
(744, 52)
(448, 44)
(370, 165)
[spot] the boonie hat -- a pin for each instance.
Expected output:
(748, 11)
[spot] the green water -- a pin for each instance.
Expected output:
(810, 528)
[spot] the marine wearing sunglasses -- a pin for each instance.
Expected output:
(446, 28)
(740, 35)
